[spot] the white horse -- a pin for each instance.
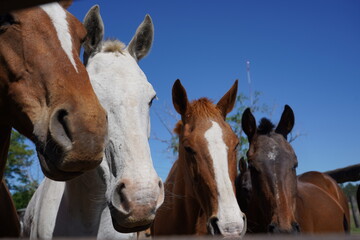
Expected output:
(124, 192)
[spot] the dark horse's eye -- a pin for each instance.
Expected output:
(189, 150)
(295, 166)
(6, 19)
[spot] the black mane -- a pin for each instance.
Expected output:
(265, 126)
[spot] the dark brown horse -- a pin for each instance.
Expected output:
(281, 202)
(199, 190)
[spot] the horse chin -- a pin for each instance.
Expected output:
(125, 223)
(130, 230)
(52, 172)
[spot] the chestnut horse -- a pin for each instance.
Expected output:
(281, 202)
(199, 190)
(124, 192)
(45, 92)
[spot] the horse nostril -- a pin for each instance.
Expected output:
(296, 227)
(63, 120)
(271, 228)
(213, 226)
(160, 184)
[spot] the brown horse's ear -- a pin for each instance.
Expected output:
(227, 102)
(286, 123)
(95, 31)
(140, 44)
(248, 124)
(65, 3)
(242, 165)
(179, 98)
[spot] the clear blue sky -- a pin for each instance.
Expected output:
(303, 53)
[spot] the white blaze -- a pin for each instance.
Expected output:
(58, 17)
(229, 214)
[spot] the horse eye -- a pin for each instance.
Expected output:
(6, 20)
(151, 101)
(295, 166)
(189, 150)
(237, 147)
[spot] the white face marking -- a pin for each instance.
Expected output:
(58, 17)
(229, 213)
(272, 154)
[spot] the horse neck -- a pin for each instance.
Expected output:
(188, 204)
(84, 200)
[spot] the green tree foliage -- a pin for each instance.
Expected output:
(17, 177)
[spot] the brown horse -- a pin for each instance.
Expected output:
(45, 91)
(9, 220)
(200, 197)
(279, 201)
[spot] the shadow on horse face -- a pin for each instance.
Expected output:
(272, 167)
(46, 92)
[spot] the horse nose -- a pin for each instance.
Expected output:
(80, 145)
(132, 199)
(274, 228)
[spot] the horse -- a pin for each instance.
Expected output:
(280, 201)
(124, 192)
(200, 194)
(45, 92)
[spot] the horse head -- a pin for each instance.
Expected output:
(208, 149)
(272, 164)
(134, 190)
(45, 90)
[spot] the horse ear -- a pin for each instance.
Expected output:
(95, 31)
(179, 98)
(227, 102)
(65, 3)
(242, 165)
(287, 122)
(141, 43)
(248, 124)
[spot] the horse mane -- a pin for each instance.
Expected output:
(204, 107)
(178, 127)
(265, 126)
(113, 45)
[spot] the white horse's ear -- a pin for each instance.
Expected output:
(95, 31)
(140, 44)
